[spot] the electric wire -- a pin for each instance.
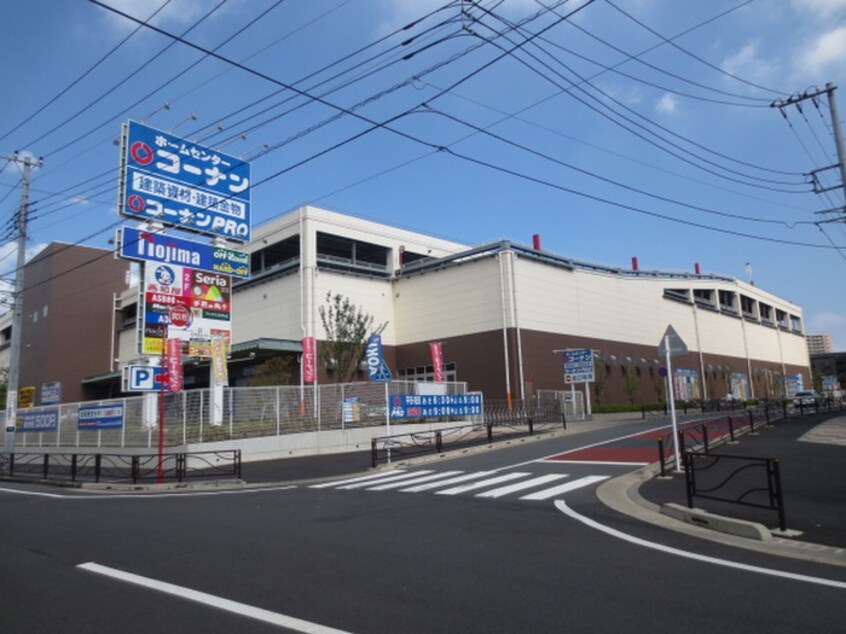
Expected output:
(85, 74)
(608, 180)
(608, 97)
(125, 79)
(689, 54)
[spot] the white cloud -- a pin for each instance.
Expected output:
(747, 62)
(178, 13)
(823, 56)
(824, 323)
(819, 8)
(667, 104)
(398, 13)
(8, 263)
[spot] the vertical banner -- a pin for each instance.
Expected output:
(437, 362)
(377, 369)
(173, 361)
(220, 370)
(309, 360)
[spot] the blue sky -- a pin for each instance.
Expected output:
(612, 128)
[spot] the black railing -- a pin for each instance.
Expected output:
(134, 468)
(502, 422)
(756, 482)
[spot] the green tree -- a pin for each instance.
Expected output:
(630, 387)
(274, 371)
(599, 375)
(347, 328)
(4, 385)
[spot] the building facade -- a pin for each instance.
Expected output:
(819, 344)
(500, 312)
(67, 330)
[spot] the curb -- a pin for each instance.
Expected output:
(621, 494)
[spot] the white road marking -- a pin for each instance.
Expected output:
(392, 478)
(561, 505)
(564, 488)
(455, 480)
(242, 609)
(594, 462)
(484, 483)
(375, 476)
(425, 478)
(521, 486)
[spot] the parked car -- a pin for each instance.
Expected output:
(807, 397)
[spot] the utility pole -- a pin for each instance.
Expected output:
(797, 99)
(17, 312)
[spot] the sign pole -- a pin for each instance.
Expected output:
(163, 363)
(388, 419)
(672, 398)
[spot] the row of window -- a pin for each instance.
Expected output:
(736, 305)
(427, 373)
(333, 251)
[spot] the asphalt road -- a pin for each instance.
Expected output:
(308, 558)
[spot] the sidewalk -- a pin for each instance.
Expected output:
(812, 455)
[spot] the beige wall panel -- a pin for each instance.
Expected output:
(269, 310)
(456, 301)
(373, 296)
(596, 305)
(127, 347)
(795, 350)
(720, 334)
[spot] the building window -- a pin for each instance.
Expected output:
(427, 373)
(766, 314)
(781, 319)
(276, 255)
(795, 324)
(338, 252)
(677, 294)
(728, 302)
(704, 297)
(748, 308)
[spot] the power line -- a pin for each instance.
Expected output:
(602, 104)
(87, 72)
(693, 56)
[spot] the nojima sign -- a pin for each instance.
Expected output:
(183, 184)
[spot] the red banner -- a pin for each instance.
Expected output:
(309, 360)
(437, 362)
(173, 361)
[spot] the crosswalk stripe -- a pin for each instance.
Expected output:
(564, 488)
(401, 476)
(326, 485)
(440, 483)
(425, 478)
(484, 483)
(521, 486)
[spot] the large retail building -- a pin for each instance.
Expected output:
(500, 312)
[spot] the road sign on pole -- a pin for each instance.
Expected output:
(671, 345)
(578, 366)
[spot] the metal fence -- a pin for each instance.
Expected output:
(125, 468)
(246, 412)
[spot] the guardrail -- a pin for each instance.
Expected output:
(502, 422)
(117, 468)
(708, 434)
(728, 484)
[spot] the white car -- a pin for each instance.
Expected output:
(807, 397)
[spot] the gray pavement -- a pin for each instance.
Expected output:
(812, 454)
(811, 450)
